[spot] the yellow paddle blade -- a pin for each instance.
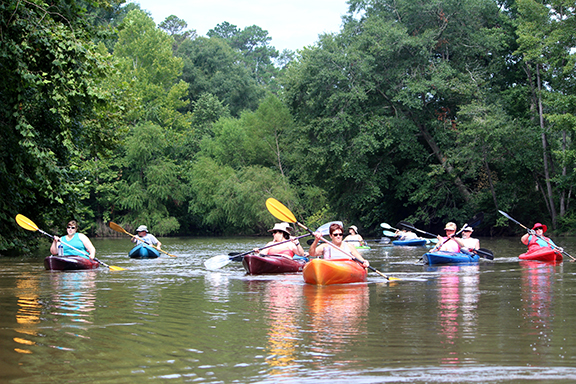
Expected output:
(26, 223)
(279, 211)
(115, 268)
(116, 227)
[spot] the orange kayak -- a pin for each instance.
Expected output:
(339, 271)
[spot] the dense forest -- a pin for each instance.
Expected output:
(425, 111)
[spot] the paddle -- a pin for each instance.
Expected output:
(29, 225)
(219, 261)
(389, 233)
(540, 237)
(118, 228)
(474, 222)
(279, 211)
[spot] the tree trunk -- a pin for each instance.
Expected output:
(545, 150)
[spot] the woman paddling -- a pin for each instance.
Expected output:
(73, 239)
(535, 238)
(448, 243)
(354, 237)
(328, 252)
(289, 249)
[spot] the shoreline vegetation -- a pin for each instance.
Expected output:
(409, 112)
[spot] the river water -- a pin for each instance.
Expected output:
(171, 320)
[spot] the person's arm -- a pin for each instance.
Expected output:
(298, 247)
(88, 245)
(54, 245)
(314, 250)
(357, 255)
(524, 239)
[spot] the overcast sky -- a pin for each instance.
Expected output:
(292, 24)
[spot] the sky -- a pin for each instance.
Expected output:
(292, 24)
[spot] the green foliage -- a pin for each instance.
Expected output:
(52, 112)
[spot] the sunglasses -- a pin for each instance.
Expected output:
(539, 228)
(70, 227)
(338, 234)
(275, 232)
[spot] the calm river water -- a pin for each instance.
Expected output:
(171, 320)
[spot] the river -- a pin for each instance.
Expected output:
(171, 320)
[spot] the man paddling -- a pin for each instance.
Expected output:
(467, 242)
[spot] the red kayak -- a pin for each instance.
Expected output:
(69, 263)
(258, 265)
(340, 271)
(542, 254)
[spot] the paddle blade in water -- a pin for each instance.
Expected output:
(26, 223)
(217, 262)
(279, 211)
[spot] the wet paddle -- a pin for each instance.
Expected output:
(29, 225)
(118, 228)
(220, 261)
(279, 211)
(540, 237)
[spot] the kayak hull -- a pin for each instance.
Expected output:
(442, 257)
(542, 254)
(410, 243)
(142, 251)
(340, 271)
(259, 265)
(69, 263)
(363, 248)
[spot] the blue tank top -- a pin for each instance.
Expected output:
(76, 243)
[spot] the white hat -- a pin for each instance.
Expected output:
(287, 226)
(355, 228)
(279, 227)
(451, 226)
(469, 229)
(142, 228)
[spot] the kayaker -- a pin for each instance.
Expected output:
(535, 238)
(296, 241)
(77, 240)
(466, 241)
(289, 249)
(404, 234)
(329, 252)
(447, 243)
(146, 237)
(354, 237)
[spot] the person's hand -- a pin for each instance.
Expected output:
(560, 249)
(365, 263)
(256, 251)
(532, 232)
(318, 235)
(56, 238)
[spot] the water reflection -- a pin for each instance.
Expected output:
(537, 279)
(338, 316)
(28, 313)
(457, 304)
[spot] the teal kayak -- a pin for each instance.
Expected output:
(443, 257)
(143, 251)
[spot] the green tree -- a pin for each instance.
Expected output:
(52, 112)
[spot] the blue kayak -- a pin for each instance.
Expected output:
(413, 242)
(143, 251)
(443, 257)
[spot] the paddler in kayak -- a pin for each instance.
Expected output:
(535, 238)
(329, 252)
(145, 237)
(77, 240)
(467, 242)
(289, 249)
(354, 238)
(447, 243)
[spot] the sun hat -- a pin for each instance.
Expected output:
(142, 228)
(468, 229)
(279, 227)
(355, 228)
(451, 226)
(287, 226)
(538, 225)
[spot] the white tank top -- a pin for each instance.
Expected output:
(332, 253)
